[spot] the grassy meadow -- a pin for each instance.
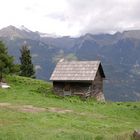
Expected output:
(30, 111)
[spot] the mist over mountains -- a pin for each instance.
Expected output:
(119, 54)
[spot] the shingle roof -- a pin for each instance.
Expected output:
(76, 71)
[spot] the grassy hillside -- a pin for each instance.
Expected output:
(29, 111)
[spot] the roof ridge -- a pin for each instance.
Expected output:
(63, 61)
(75, 70)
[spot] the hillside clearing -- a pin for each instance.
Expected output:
(22, 108)
(32, 109)
(29, 111)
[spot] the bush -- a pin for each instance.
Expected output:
(99, 138)
(44, 90)
(134, 106)
(128, 105)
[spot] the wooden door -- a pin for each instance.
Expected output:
(67, 90)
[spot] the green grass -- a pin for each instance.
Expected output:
(88, 120)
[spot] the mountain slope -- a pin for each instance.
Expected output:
(12, 33)
(30, 111)
(119, 54)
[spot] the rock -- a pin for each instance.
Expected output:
(136, 134)
(4, 85)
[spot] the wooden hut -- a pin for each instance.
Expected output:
(83, 78)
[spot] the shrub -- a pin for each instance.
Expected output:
(44, 90)
(128, 105)
(99, 137)
(134, 106)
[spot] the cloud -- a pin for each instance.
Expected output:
(98, 16)
(72, 17)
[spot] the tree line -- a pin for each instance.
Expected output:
(7, 66)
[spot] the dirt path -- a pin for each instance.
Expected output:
(33, 109)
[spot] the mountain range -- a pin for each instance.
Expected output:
(118, 52)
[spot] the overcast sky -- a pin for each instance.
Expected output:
(71, 17)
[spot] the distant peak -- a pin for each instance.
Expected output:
(22, 27)
(132, 34)
(10, 27)
(136, 30)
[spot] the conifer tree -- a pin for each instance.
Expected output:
(26, 68)
(6, 61)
